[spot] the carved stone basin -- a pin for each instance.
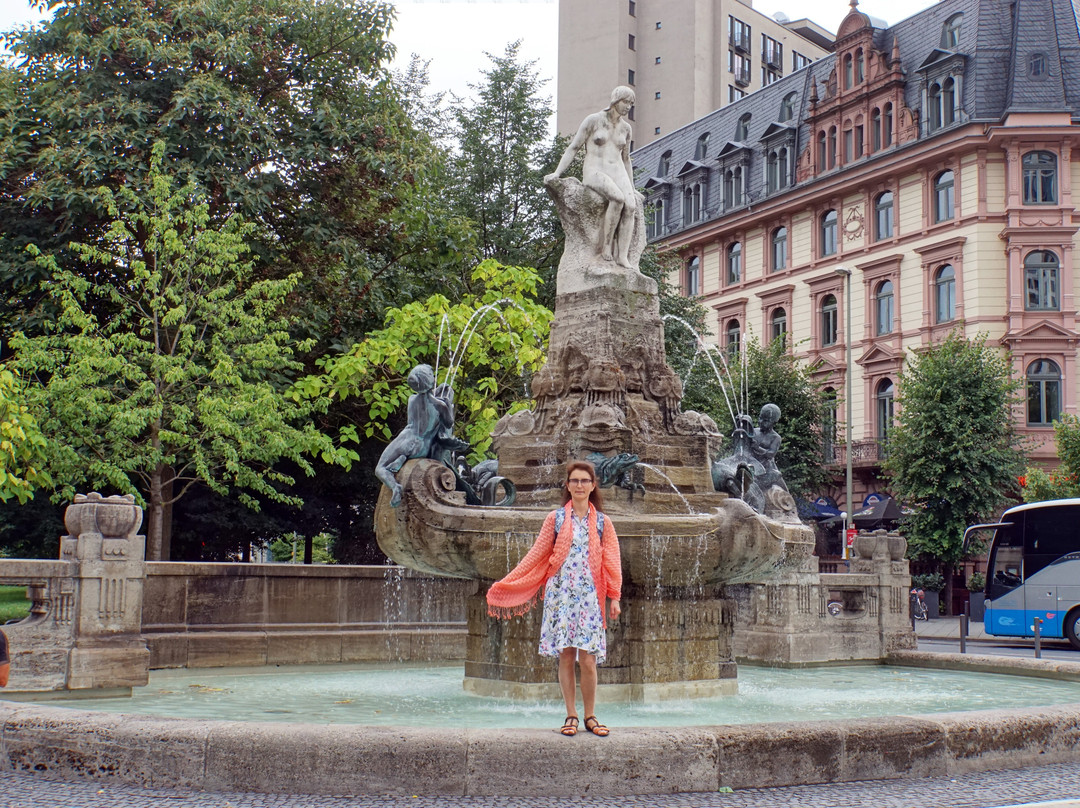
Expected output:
(434, 531)
(674, 638)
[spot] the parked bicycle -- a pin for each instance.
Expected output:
(918, 604)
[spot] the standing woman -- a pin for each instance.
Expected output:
(575, 561)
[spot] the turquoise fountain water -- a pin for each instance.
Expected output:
(431, 696)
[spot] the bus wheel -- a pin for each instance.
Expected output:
(1072, 628)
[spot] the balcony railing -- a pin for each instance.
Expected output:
(740, 41)
(864, 453)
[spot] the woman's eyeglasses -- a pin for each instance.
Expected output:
(579, 481)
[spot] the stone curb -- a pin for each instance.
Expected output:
(220, 756)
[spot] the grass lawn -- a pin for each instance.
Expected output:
(13, 603)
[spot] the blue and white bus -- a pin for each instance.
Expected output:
(1034, 571)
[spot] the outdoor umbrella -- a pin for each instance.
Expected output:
(884, 513)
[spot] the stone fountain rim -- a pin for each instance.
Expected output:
(235, 756)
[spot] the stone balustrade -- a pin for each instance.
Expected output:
(85, 623)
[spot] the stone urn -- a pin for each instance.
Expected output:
(114, 516)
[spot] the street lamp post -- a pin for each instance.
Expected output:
(846, 273)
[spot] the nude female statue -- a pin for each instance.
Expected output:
(606, 136)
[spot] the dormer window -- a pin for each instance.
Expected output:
(664, 165)
(742, 129)
(787, 108)
(701, 151)
(1037, 64)
(950, 32)
(942, 103)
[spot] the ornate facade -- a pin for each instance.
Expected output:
(934, 160)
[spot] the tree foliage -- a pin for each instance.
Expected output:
(486, 346)
(1063, 482)
(22, 446)
(771, 374)
(182, 381)
(953, 453)
(502, 151)
(281, 110)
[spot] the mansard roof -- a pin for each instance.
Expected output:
(997, 39)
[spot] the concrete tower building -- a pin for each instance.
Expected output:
(684, 58)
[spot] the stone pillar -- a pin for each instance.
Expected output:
(107, 553)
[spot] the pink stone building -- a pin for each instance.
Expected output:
(934, 160)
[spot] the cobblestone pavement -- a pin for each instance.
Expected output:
(1054, 786)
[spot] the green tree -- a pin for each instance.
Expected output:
(183, 382)
(502, 151)
(953, 453)
(22, 446)
(687, 338)
(281, 110)
(771, 374)
(486, 346)
(1063, 482)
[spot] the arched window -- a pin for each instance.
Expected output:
(828, 233)
(734, 263)
(779, 249)
(860, 70)
(742, 129)
(950, 32)
(656, 220)
(829, 314)
(934, 105)
(875, 130)
(692, 284)
(731, 336)
(1041, 281)
(664, 165)
(945, 294)
(701, 151)
(823, 152)
(1043, 393)
(886, 126)
(883, 216)
(1040, 178)
(787, 108)
(948, 102)
(884, 398)
(943, 196)
(778, 325)
(692, 204)
(733, 187)
(884, 305)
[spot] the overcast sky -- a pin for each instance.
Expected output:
(454, 34)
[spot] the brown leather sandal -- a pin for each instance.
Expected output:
(570, 726)
(597, 728)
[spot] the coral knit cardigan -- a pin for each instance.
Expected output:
(517, 592)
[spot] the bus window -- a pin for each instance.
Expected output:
(1006, 562)
(1050, 533)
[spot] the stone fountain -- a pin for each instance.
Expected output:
(608, 390)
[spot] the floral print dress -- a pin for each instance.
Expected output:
(572, 617)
